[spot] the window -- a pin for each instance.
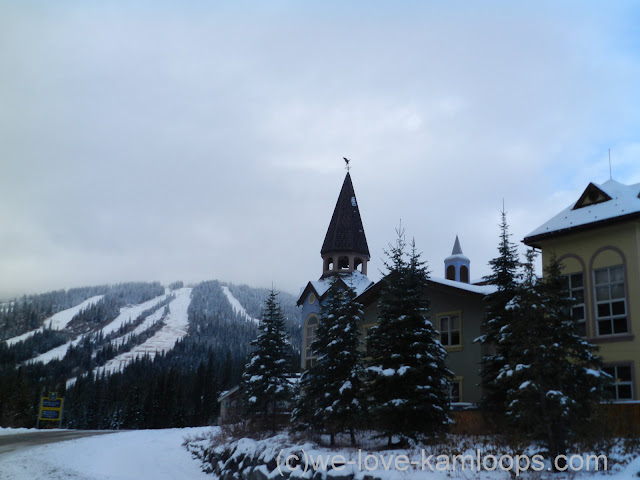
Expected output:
(611, 309)
(310, 334)
(621, 387)
(455, 390)
(575, 285)
(449, 330)
(451, 272)
(464, 274)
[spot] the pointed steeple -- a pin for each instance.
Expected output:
(457, 249)
(456, 265)
(345, 244)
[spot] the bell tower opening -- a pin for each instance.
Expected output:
(451, 272)
(456, 265)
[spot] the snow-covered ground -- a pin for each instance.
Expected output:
(237, 306)
(133, 455)
(126, 314)
(160, 455)
(468, 458)
(58, 321)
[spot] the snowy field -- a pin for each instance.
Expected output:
(133, 455)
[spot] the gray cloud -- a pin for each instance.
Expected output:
(191, 141)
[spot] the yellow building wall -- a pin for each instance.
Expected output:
(611, 245)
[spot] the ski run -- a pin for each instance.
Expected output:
(175, 326)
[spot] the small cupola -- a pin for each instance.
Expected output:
(456, 265)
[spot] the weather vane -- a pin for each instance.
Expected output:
(346, 161)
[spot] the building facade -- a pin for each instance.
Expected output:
(456, 305)
(597, 239)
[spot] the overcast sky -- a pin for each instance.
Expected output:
(190, 140)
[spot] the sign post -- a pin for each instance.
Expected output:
(51, 409)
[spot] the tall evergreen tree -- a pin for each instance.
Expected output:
(553, 380)
(266, 381)
(408, 382)
(496, 338)
(331, 390)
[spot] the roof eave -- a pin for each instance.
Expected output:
(533, 240)
(305, 293)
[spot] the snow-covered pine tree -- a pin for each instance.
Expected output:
(496, 336)
(266, 381)
(331, 390)
(553, 380)
(408, 382)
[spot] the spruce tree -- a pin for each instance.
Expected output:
(408, 382)
(496, 337)
(553, 380)
(266, 381)
(331, 389)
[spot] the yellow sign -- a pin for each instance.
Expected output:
(51, 407)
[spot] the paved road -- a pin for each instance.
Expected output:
(10, 443)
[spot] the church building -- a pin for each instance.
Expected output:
(456, 304)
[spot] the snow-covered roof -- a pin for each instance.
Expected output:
(228, 393)
(481, 289)
(356, 280)
(598, 203)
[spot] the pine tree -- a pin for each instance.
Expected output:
(266, 381)
(497, 319)
(553, 380)
(407, 379)
(331, 389)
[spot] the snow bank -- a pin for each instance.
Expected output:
(249, 459)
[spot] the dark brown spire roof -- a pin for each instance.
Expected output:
(346, 233)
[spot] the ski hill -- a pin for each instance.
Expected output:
(59, 341)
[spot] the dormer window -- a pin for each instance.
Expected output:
(591, 196)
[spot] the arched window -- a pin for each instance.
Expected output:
(328, 264)
(464, 274)
(343, 263)
(357, 264)
(451, 272)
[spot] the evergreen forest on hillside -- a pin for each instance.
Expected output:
(178, 387)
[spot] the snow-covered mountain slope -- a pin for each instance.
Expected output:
(131, 313)
(146, 324)
(237, 306)
(126, 314)
(176, 325)
(59, 321)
